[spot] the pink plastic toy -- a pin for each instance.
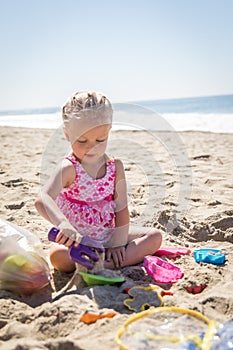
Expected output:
(162, 271)
(172, 252)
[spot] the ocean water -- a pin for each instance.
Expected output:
(210, 113)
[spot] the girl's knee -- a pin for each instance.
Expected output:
(61, 260)
(157, 237)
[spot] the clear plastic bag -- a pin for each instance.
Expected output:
(23, 266)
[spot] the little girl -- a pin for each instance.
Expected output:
(87, 195)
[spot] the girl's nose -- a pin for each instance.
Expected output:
(91, 145)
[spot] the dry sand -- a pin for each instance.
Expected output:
(181, 183)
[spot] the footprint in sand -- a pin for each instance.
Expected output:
(13, 183)
(15, 205)
(202, 156)
(214, 203)
(170, 184)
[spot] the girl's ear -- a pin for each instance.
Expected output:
(66, 134)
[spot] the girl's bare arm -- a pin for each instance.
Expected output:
(120, 236)
(45, 202)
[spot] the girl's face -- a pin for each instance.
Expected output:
(91, 146)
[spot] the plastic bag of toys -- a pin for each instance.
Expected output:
(23, 267)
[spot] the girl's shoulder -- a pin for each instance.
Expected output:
(118, 163)
(68, 171)
(71, 159)
(115, 162)
(119, 168)
(111, 159)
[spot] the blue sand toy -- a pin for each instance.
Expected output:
(210, 255)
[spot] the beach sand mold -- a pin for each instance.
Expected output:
(51, 320)
(95, 280)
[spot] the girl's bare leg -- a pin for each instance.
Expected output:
(142, 241)
(60, 258)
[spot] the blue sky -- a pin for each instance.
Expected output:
(129, 49)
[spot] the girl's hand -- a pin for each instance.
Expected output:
(117, 254)
(68, 235)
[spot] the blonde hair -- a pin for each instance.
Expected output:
(86, 101)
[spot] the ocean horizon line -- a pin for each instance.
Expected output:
(144, 103)
(180, 98)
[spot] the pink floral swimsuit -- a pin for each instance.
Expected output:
(88, 203)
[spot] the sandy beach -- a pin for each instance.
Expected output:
(179, 182)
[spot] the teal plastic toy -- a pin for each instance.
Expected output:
(210, 255)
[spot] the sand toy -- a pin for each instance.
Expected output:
(92, 279)
(166, 328)
(142, 298)
(210, 255)
(85, 253)
(161, 270)
(172, 252)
